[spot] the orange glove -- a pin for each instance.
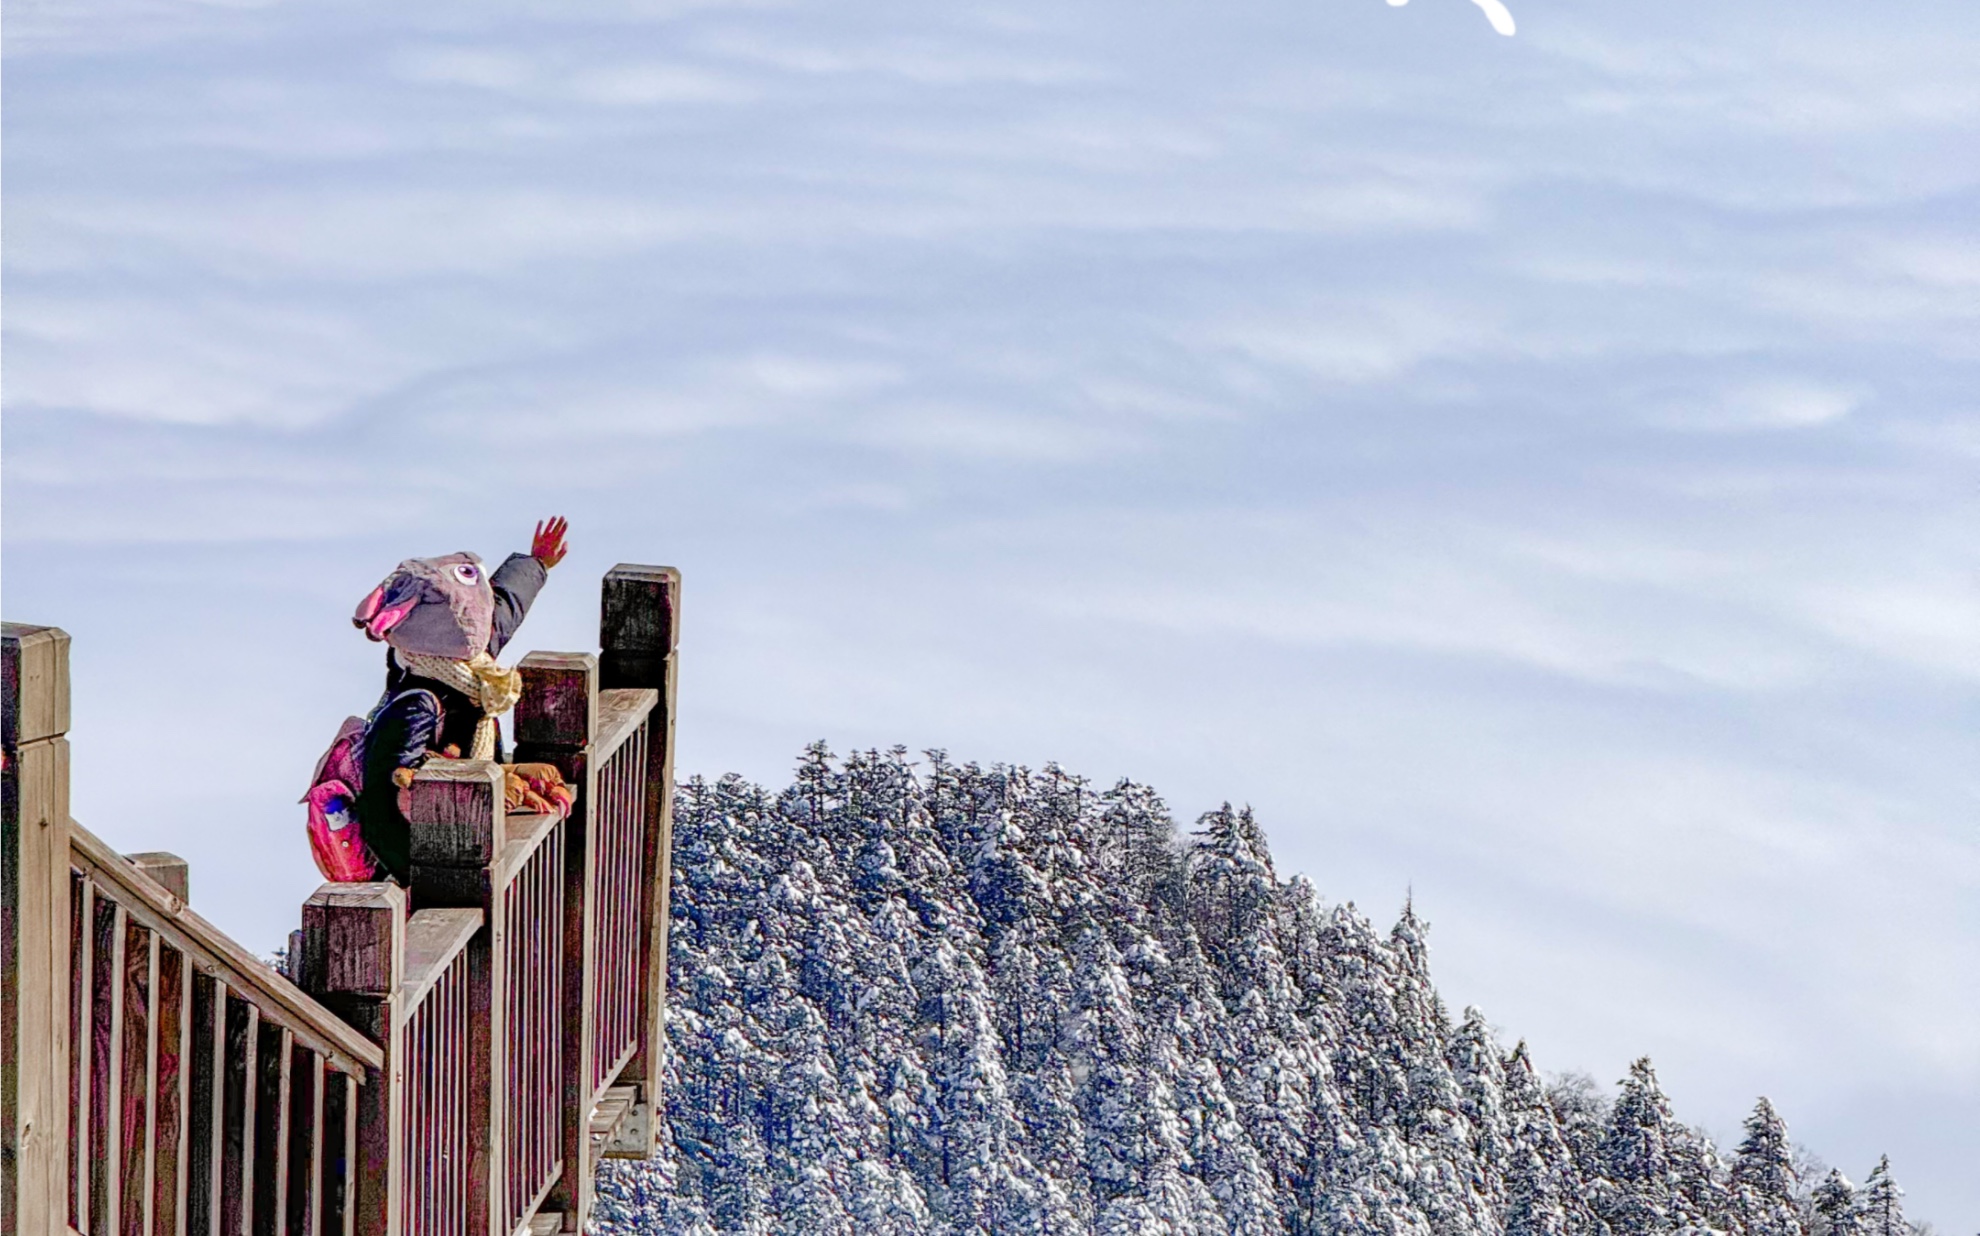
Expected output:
(536, 788)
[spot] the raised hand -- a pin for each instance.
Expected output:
(548, 545)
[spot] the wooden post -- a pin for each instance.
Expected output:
(169, 871)
(459, 826)
(354, 957)
(555, 721)
(34, 932)
(639, 633)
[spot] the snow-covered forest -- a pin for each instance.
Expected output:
(940, 998)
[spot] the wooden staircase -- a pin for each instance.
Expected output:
(453, 1058)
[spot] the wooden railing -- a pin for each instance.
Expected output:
(453, 1057)
(159, 1078)
(208, 1091)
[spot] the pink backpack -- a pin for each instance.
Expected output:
(334, 837)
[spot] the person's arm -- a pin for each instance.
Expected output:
(517, 581)
(399, 739)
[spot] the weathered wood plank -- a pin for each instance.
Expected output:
(271, 1134)
(82, 1016)
(206, 1105)
(339, 1155)
(304, 1143)
(240, 1074)
(639, 613)
(173, 1038)
(639, 636)
(168, 871)
(375, 1114)
(455, 808)
(579, 877)
(559, 705)
(34, 684)
(106, 1076)
(433, 939)
(135, 1071)
(354, 939)
(214, 953)
(487, 984)
(620, 710)
(36, 940)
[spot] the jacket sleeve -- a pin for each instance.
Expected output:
(401, 734)
(516, 583)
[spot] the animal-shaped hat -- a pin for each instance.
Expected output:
(436, 607)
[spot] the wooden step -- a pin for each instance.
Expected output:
(605, 1118)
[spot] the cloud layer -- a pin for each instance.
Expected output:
(1537, 471)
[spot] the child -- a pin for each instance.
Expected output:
(445, 620)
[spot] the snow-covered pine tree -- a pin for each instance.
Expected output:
(1542, 1182)
(1763, 1176)
(1880, 1204)
(1836, 1211)
(1638, 1190)
(951, 1000)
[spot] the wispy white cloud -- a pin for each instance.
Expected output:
(1535, 468)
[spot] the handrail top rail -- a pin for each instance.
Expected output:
(620, 711)
(212, 950)
(434, 939)
(526, 833)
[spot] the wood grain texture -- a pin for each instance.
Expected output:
(240, 1078)
(455, 808)
(168, 871)
(434, 938)
(559, 705)
(36, 945)
(354, 939)
(34, 684)
(206, 1105)
(213, 952)
(639, 612)
(170, 1094)
(620, 710)
(639, 632)
(133, 1102)
(104, 1074)
(273, 1061)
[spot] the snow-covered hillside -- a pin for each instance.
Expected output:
(946, 999)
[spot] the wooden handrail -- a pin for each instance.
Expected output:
(279, 1000)
(433, 939)
(620, 711)
(459, 1054)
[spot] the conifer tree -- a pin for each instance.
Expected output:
(1836, 1206)
(951, 1000)
(1638, 1191)
(1880, 1205)
(1763, 1176)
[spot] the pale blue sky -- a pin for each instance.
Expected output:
(1537, 471)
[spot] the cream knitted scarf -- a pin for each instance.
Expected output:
(493, 688)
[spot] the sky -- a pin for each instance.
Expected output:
(1537, 473)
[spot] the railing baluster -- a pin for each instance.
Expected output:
(134, 1072)
(106, 1067)
(206, 1107)
(172, 1035)
(304, 1169)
